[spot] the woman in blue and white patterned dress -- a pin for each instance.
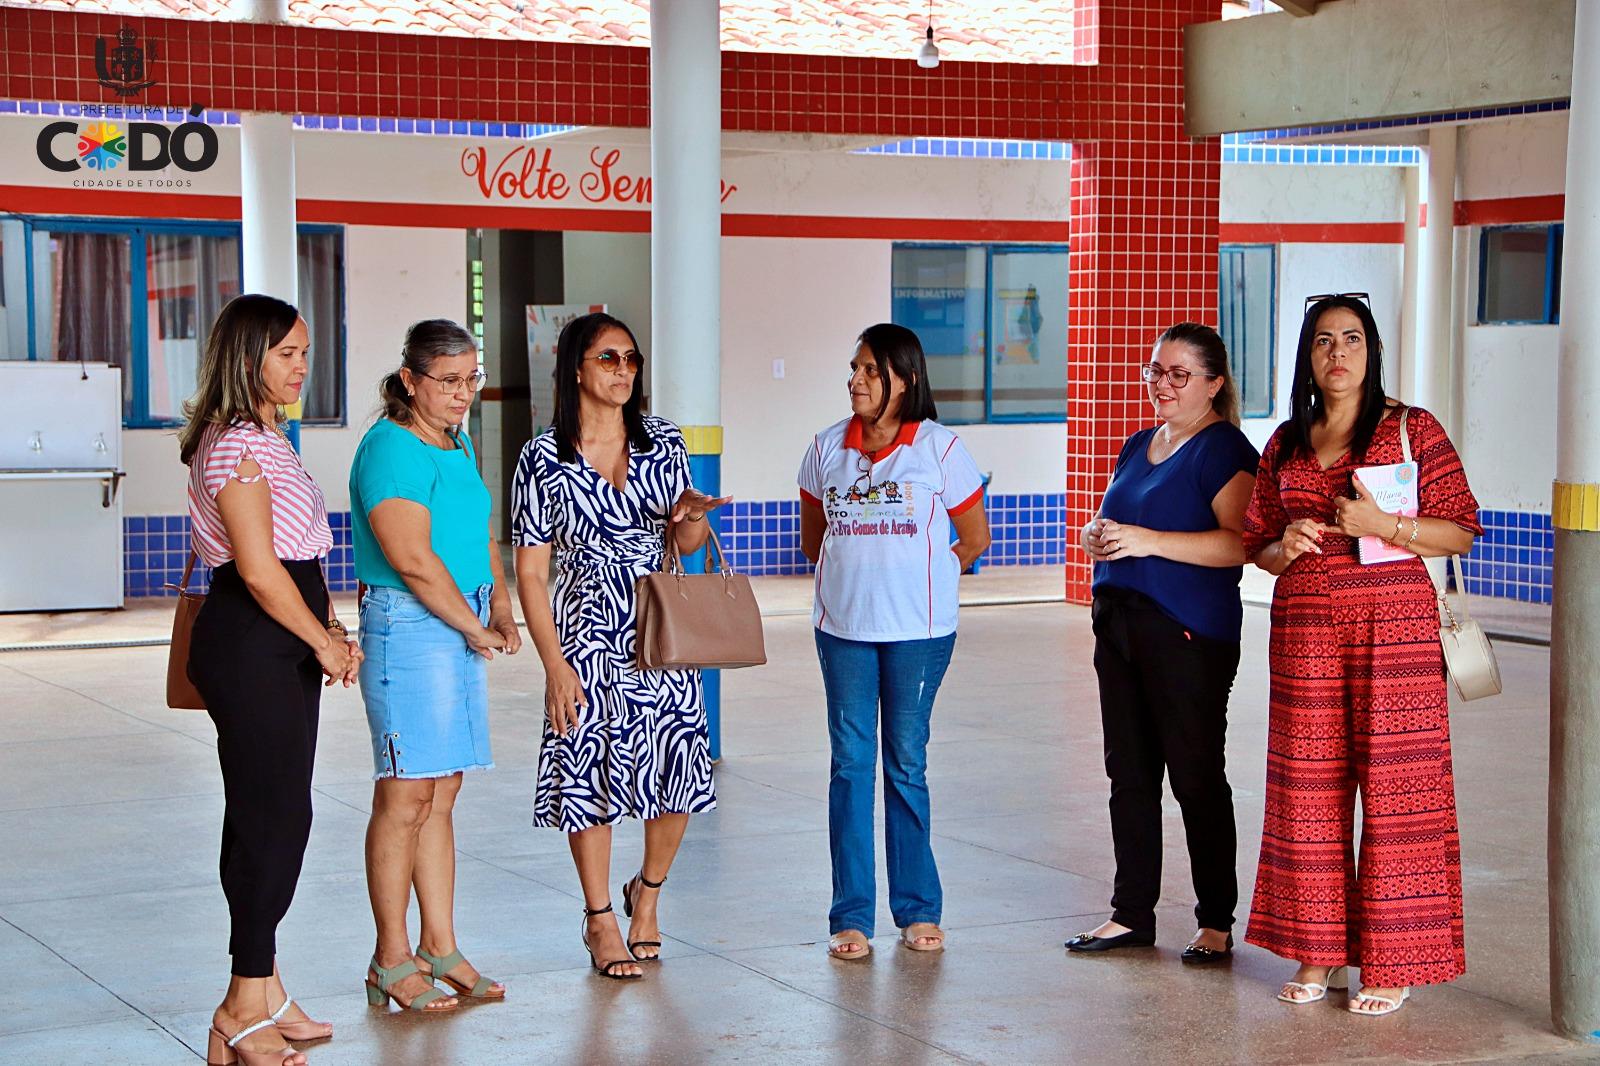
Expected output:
(601, 488)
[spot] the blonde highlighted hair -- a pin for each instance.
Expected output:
(230, 388)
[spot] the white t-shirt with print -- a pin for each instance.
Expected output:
(887, 571)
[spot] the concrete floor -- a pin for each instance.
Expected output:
(113, 929)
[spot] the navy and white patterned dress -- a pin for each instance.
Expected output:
(641, 748)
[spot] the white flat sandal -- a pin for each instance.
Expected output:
(1389, 1005)
(1337, 978)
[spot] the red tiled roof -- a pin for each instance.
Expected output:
(995, 31)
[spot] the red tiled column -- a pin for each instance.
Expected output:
(1144, 243)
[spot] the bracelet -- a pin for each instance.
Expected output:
(696, 518)
(1395, 538)
(338, 627)
(1415, 528)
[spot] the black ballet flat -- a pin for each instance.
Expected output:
(1131, 939)
(1199, 955)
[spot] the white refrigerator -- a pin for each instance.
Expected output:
(60, 475)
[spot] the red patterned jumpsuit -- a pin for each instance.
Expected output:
(1358, 703)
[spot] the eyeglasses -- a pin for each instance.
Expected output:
(614, 360)
(1178, 376)
(863, 484)
(452, 384)
(1364, 297)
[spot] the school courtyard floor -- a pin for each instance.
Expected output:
(113, 929)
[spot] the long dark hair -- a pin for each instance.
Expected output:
(1207, 345)
(1306, 404)
(576, 337)
(230, 388)
(898, 349)
(425, 341)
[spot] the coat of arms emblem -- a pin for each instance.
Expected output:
(122, 67)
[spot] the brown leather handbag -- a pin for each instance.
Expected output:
(181, 693)
(698, 621)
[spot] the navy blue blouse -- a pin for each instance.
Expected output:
(1175, 496)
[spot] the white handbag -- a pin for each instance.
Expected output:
(1468, 655)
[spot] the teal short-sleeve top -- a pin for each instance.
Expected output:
(391, 463)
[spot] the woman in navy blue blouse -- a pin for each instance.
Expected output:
(1168, 557)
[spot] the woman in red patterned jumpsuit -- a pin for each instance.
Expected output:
(1358, 698)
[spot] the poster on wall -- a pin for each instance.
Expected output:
(544, 327)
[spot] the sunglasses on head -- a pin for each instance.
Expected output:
(1364, 297)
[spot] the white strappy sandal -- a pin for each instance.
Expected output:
(1337, 978)
(305, 1031)
(225, 1050)
(1389, 1005)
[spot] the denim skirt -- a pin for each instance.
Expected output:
(426, 691)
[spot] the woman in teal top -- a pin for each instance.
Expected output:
(435, 609)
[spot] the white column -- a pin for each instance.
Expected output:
(1404, 383)
(1574, 846)
(267, 186)
(259, 10)
(686, 217)
(686, 247)
(1430, 379)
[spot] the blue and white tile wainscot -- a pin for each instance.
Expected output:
(762, 539)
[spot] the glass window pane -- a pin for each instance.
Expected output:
(322, 305)
(1514, 274)
(83, 287)
(188, 279)
(1245, 303)
(938, 293)
(13, 289)
(1028, 316)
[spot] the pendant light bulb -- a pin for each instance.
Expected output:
(928, 54)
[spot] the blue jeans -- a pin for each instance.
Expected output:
(897, 680)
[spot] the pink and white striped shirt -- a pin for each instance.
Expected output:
(299, 512)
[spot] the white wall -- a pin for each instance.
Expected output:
(1280, 192)
(804, 301)
(1277, 193)
(1521, 156)
(1509, 447)
(393, 277)
(1509, 372)
(611, 269)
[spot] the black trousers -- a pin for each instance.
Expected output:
(1164, 706)
(263, 688)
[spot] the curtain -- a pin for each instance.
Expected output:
(91, 286)
(188, 279)
(321, 266)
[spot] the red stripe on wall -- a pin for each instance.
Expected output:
(891, 229)
(1312, 232)
(1508, 209)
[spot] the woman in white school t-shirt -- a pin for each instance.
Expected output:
(879, 493)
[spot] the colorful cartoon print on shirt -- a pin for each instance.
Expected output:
(865, 509)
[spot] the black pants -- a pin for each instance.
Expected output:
(1164, 705)
(263, 687)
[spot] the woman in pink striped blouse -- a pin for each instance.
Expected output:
(262, 646)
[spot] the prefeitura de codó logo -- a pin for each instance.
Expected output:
(105, 147)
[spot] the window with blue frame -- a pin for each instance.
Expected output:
(1519, 275)
(143, 295)
(1247, 301)
(993, 324)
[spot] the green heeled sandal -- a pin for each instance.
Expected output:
(379, 994)
(439, 970)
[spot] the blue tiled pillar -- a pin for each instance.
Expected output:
(705, 470)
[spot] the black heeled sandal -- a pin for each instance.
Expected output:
(605, 969)
(639, 879)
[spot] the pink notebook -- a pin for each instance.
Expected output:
(1394, 489)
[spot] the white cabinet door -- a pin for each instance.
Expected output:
(60, 548)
